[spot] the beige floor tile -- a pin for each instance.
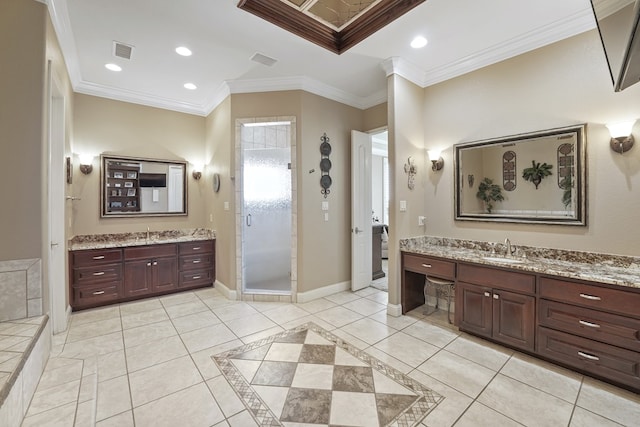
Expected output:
(389, 360)
(432, 334)
(249, 324)
(317, 305)
(380, 297)
(93, 346)
(207, 337)
(364, 306)
(263, 306)
(304, 320)
(284, 352)
(262, 334)
(611, 402)
(398, 323)
(450, 408)
(91, 330)
(479, 415)
(339, 316)
(313, 376)
(226, 398)
(195, 321)
(342, 297)
(365, 292)
(273, 397)
(54, 397)
(154, 352)
(124, 419)
(583, 418)
(356, 342)
(407, 349)
(163, 379)
(179, 298)
(187, 308)
(368, 330)
(111, 365)
(464, 375)
(545, 376)
(352, 409)
(148, 333)
(525, 404)
(286, 313)
(243, 419)
(113, 397)
(94, 315)
(60, 375)
(209, 292)
(142, 318)
(195, 404)
(480, 351)
(88, 388)
(85, 414)
(234, 311)
(62, 416)
(149, 304)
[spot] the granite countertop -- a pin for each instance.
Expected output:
(590, 266)
(119, 240)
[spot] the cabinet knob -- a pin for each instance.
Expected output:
(496, 296)
(155, 263)
(487, 294)
(148, 264)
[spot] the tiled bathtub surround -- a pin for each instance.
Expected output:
(605, 268)
(118, 240)
(25, 345)
(20, 289)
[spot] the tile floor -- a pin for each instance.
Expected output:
(149, 363)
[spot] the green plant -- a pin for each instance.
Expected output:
(567, 186)
(536, 172)
(489, 193)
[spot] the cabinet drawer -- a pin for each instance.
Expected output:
(96, 295)
(95, 256)
(200, 247)
(430, 266)
(196, 262)
(600, 298)
(97, 274)
(593, 324)
(147, 252)
(195, 277)
(602, 360)
(497, 278)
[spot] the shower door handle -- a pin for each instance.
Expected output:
(248, 220)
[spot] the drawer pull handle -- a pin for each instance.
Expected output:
(496, 296)
(197, 261)
(196, 277)
(98, 293)
(589, 324)
(196, 248)
(98, 257)
(588, 356)
(99, 273)
(426, 265)
(590, 297)
(487, 294)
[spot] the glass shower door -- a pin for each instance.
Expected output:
(267, 220)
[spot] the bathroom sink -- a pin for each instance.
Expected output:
(502, 259)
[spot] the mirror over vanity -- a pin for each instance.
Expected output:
(537, 177)
(133, 186)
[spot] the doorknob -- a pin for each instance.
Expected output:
(53, 245)
(357, 230)
(248, 220)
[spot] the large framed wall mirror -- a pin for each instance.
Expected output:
(537, 177)
(133, 186)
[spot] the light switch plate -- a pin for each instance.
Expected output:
(226, 206)
(325, 206)
(403, 205)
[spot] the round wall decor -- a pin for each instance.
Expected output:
(325, 165)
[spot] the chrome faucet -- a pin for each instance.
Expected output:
(147, 233)
(510, 249)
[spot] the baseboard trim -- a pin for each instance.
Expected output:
(394, 310)
(224, 290)
(323, 292)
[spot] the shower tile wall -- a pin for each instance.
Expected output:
(20, 289)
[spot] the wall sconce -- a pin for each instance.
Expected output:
(197, 172)
(86, 163)
(621, 137)
(437, 162)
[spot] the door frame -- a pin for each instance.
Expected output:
(239, 199)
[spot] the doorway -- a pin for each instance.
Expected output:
(380, 204)
(267, 207)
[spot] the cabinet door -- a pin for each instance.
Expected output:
(138, 277)
(474, 313)
(165, 272)
(514, 319)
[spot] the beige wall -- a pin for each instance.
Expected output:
(562, 84)
(375, 117)
(22, 75)
(106, 126)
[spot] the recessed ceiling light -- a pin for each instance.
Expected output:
(113, 67)
(418, 42)
(184, 51)
(190, 86)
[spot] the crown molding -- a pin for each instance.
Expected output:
(62, 25)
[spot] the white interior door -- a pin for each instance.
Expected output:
(361, 225)
(57, 282)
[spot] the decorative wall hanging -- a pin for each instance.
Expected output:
(536, 172)
(411, 169)
(471, 179)
(325, 165)
(565, 163)
(509, 171)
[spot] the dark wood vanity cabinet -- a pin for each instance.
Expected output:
(591, 328)
(106, 276)
(414, 270)
(497, 304)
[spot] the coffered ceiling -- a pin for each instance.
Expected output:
(235, 51)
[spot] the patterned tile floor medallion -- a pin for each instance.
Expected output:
(309, 376)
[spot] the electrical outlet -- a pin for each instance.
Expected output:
(210, 217)
(421, 220)
(326, 216)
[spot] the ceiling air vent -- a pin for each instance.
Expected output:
(263, 59)
(122, 50)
